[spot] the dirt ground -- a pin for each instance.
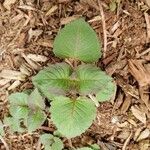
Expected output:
(27, 32)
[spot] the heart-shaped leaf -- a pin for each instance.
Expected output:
(18, 105)
(51, 142)
(14, 124)
(54, 80)
(94, 81)
(72, 117)
(35, 100)
(18, 99)
(58, 144)
(35, 120)
(19, 112)
(77, 40)
(106, 92)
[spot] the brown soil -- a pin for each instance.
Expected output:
(27, 32)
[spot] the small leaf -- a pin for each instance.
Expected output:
(35, 120)
(51, 142)
(35, 100)
(94, 81)
(47, 140)
(106, 92)
(72, 117)
(95, 147)
(90, 78)
(57, 145)
(14, 124)
(52, 78)
(18, 99)
(77, 40)
(19, 111)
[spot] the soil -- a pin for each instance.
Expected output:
(27, 32)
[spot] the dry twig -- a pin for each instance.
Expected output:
(127, 141)
(147, 24)
(140, 73)
(104, 28)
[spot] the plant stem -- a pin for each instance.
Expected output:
(94, 100)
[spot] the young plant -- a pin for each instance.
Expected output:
(71, 91)
(27, 110)
(51, 142)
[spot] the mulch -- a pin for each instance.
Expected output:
(27, 32)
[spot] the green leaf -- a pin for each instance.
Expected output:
(47, 140)
(14, 124)
(35, 100)
(18, 99)
(89, 77)
(35, 120)
(77, 40)
(107, 92)
(72, 117)
(19, 111)
(84, 148)
(92, 81)
(57, 145)
(95, 147)
(53, 80)
(51, 142)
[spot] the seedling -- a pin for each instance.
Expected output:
(26, 110)
(72, 90)
(51, 142)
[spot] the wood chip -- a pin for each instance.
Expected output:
(14, 85)
(34, 66)
(66, 20)
(124, 134)
(26, 7)
(51, 10)
(34, 33)
(12, 75)
(96, 18)
(126, 104)
(147, 19)
(37, 58)
(63, 1)
(7, 4)
(25, 70)
(45, 43)
(144, 95)
(4, 81)
(131, 121)
(138, 114)
(139, 72)
(115, 27)
(147, 2)
(144, 134)
(137, 133)
(112, 67)
(127, 88)
(17, 18)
